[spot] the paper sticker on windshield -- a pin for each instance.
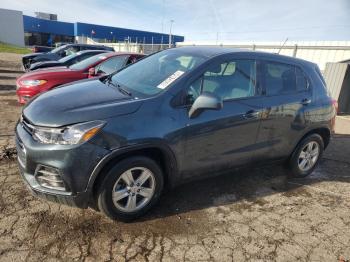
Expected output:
(170, 79)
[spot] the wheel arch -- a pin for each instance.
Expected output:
(161, 154)
(324, 132)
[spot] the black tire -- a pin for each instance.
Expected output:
(104, 196)
(293, 167)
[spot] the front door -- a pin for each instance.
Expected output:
(217, 140)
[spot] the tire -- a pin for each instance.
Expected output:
(297, 162)
(118, 184)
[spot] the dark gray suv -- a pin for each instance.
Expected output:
(114, 143)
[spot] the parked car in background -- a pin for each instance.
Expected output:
(41, 49)
(35, 82)
(59, 52)
(68, 60)
(186, 113)
(58, 44)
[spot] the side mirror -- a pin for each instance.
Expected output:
(92, 72)
(206, 101)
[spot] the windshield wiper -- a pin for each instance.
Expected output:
(119, 87)
(124, 91)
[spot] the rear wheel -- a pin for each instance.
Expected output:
(130, 188)
(306, 156)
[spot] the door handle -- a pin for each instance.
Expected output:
(305, 101)
(251, 114)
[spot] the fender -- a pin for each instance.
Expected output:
(173, 174)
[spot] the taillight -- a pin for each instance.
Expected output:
(335, 104)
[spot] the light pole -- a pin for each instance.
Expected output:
(171, 25)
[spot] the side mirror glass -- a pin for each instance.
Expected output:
(206, 101)
(92, 72)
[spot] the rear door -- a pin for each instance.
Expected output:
(217, 140)
(287, 96)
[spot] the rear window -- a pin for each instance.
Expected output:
(87, 62)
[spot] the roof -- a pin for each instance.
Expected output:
(92, 51)
(216, 51)
(110, 54)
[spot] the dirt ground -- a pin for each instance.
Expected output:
(249, 215)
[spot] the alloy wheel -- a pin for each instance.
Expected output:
(308, 156)
(134, 189)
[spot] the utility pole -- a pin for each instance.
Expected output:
(170, 40)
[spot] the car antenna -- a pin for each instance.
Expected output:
(285, 41)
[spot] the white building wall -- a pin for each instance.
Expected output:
(11, 27)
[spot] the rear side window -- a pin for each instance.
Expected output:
(280, 78)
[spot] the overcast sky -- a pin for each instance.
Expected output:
(229, 20)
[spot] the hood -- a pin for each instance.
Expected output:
(45, 56)
(81, 101)
(45, 64)
(31, 55)
(48, 73)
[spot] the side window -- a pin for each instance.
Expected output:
(229, 80)
(279, 78)
(111, 65)
(302, 83)
(132, 59)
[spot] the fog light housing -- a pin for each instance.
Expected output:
(49, 177)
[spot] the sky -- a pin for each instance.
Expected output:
(208, 20)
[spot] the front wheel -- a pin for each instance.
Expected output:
(306, 156)
(130, 188)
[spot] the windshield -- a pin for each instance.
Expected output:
(155, 73)
(57, 49)
(87, 62)
(67, 58)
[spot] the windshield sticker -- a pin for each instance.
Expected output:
(170, 79)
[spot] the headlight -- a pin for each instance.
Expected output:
(33, 82)
(70, 135)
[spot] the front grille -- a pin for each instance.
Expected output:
(21, 153)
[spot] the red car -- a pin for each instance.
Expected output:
(35, 82)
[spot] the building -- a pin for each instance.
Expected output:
(11, 27)
(20, 29)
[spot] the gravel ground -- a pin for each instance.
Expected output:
(249, 215)
(10, 69)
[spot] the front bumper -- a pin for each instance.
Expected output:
(75, 163)
(80, 200)
(25, 94)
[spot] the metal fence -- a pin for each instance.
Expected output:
(319, 52)
(127, 46)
